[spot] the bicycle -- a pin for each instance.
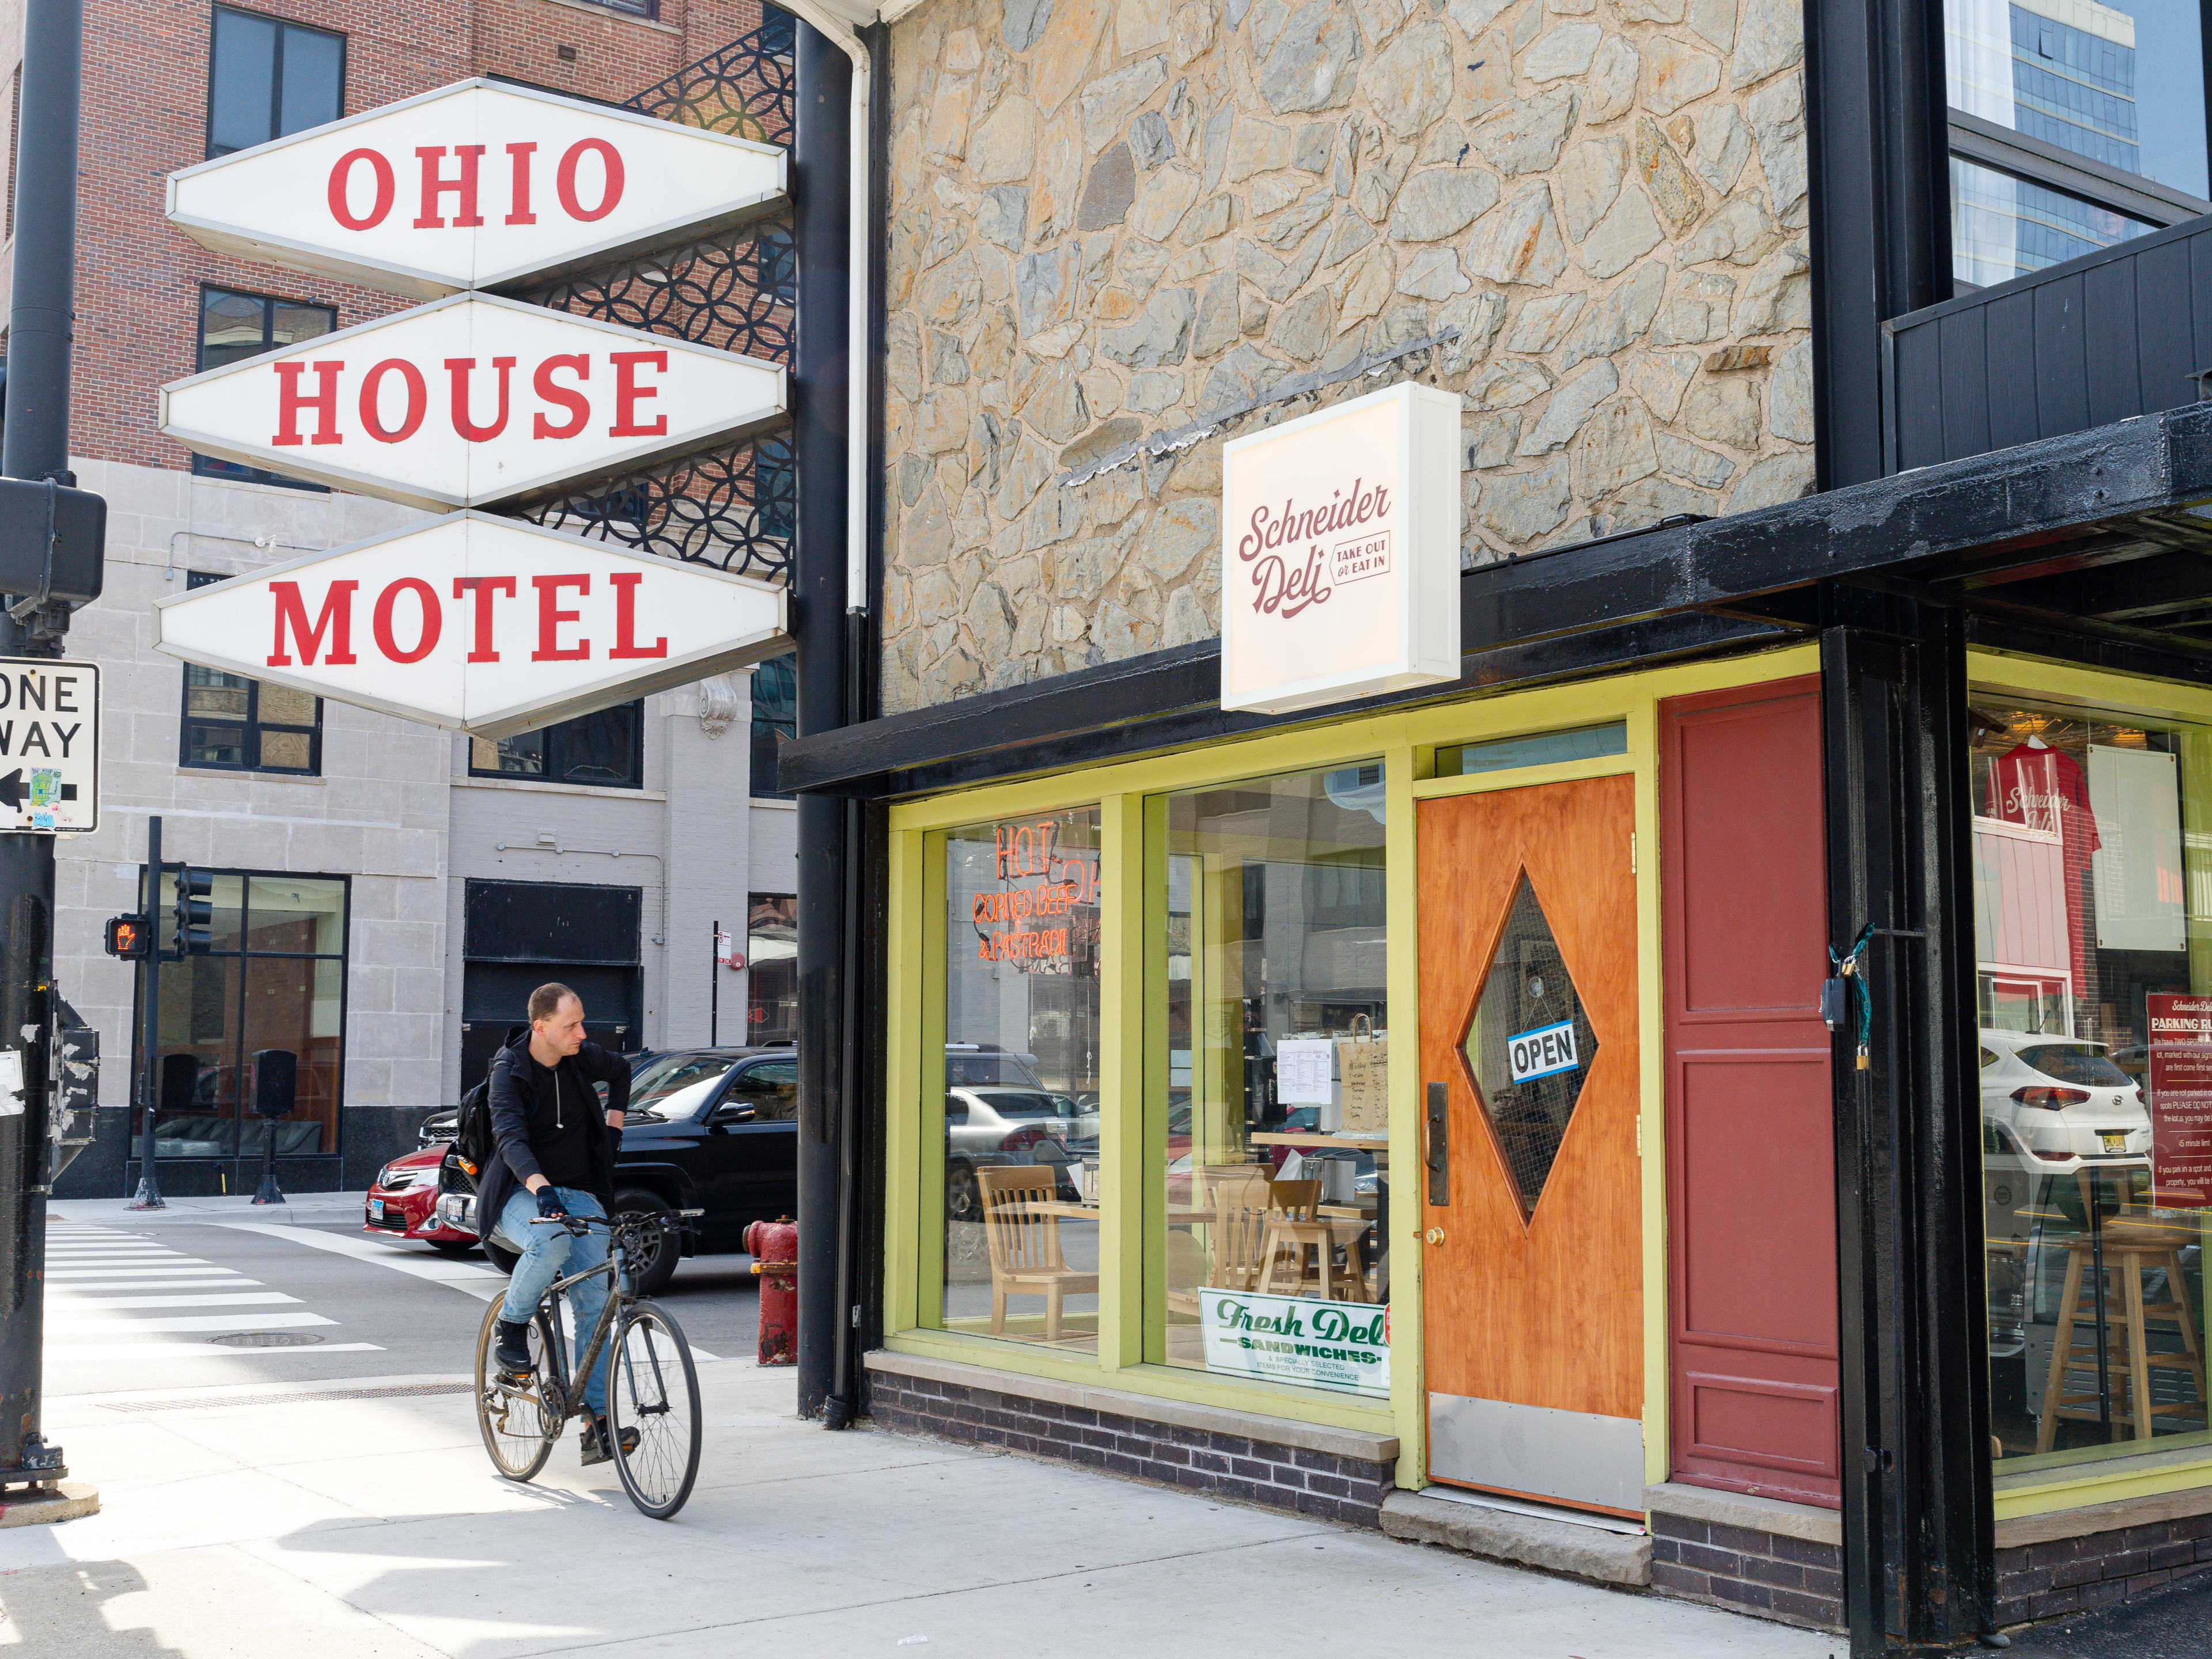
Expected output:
(653, 1388)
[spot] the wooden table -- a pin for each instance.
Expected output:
(1321, 1142)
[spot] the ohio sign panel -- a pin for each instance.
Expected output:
(472, 187)
(478, 623)
(470, 400)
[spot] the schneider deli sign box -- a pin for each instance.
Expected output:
(1340, 553)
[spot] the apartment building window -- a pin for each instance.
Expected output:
(779, 35)
(647, 9)
(267, 77)
(237, 725)
(775, 717)
(607, 749)
(234, 326)
(2074, 124)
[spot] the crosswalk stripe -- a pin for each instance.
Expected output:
(102, 1287)
(243, 1321)
(62, 1353)
(186, 1264)
(86, 1303)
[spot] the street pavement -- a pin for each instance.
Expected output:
(334, 1499)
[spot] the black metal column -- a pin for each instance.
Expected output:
(821, 163)
(1918, 1568)
(36, 445)
(1877, 145)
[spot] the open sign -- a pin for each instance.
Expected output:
(1540, 1053)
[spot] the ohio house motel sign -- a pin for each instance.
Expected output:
(470, 621)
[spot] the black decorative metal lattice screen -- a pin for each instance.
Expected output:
(731, 507)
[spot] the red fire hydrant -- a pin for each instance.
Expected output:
(773, 1246)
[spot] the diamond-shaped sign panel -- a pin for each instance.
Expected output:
(478, 623)
(470, 400)
(1530, 1045)
(474, 186)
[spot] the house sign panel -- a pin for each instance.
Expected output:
(470, 400)
(1340, 553)
(477, 624)
(476, 186)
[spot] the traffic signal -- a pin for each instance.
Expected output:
(195, 912)
(126, 937)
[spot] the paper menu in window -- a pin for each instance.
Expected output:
(1304, 1070)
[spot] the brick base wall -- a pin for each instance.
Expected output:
(1219, 1465)
(2073, 1574)
(1796, 1580)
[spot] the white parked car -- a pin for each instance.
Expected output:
(2061, 1101)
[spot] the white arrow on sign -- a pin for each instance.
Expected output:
(470, 400)
(474, 186)
(49, 745)
(477, 624)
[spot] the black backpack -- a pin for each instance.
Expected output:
(475, 1142)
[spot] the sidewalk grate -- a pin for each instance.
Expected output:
(188, 1403)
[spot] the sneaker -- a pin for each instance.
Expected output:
(511, 1349)
(593, 1441)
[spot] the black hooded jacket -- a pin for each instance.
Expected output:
(522, 1112)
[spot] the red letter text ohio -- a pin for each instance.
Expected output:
(476, 186)
(478, 623)
(470, 400)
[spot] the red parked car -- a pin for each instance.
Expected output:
(403, 1199)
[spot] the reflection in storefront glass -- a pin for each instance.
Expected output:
(1274, 1079)
(2092, 841)
(1021, 1079)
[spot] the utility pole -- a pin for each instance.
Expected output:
(36, 445)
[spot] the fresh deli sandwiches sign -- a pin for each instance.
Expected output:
(471, 400)
(477, 624)
(1340, 553)
(472, 187)
(1296, 1338)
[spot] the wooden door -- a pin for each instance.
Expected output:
(1751, 1194)
(1532, 1282)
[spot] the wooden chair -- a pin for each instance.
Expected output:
(1296, 1225)
(1025, 1255)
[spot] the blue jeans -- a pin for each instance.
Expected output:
(549, 1253)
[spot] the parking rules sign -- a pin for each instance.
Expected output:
(2180, 1078)
(49, 745)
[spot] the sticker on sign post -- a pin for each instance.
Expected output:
(1542, 1052)
(49, 746)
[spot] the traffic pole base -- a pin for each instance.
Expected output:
(42, 1506)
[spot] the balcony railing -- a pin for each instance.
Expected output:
(2123, 331)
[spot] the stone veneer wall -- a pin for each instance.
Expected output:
(1118, 223)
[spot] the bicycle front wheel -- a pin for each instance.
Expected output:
(652, 1397)
(517, 1430)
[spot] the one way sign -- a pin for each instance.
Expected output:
(49, 745)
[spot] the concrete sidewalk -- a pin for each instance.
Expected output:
(298, 1209)
(284, 1519)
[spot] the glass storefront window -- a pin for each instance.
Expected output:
(1541, 748)
(2093, 869)
(1021, 1079)
(274, 977)
(772, 968)
(1274, 1080)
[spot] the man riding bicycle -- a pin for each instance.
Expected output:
(555, 1142)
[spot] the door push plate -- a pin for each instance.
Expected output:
(1437, 1153)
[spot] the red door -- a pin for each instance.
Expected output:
(1750, 1142)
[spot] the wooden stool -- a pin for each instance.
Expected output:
(2131, 1248)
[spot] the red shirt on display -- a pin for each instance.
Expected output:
(2036, 787)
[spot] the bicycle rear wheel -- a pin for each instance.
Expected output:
(653, 1390)
(517, 1430)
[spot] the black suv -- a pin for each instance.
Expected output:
(711, 1138)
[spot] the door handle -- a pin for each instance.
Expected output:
(1436, 1154)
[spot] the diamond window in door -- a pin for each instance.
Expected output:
(1528, 1046)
